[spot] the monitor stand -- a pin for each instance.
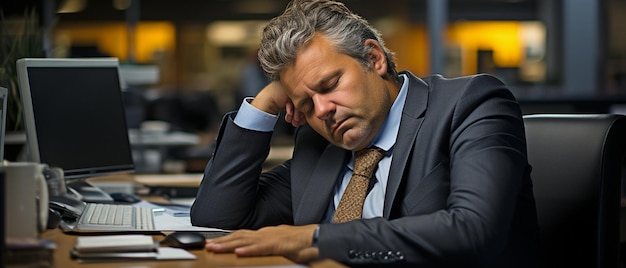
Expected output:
(87, 192)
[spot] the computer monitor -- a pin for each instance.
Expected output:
(74, 118)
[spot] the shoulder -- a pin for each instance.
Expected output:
(458, 97)
(438, 86)
(464, 87)
(476, 81)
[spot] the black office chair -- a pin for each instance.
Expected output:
(577, 165)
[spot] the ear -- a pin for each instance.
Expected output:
(376, 57)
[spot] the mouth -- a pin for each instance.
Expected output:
(336, 128)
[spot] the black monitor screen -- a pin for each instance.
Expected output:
(79, 119)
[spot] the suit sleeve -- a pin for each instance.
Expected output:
(487, 165)
(234, 193)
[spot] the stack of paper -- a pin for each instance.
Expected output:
(124, 248)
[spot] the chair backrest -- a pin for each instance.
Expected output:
(577, 164)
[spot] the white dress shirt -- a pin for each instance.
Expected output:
(249, 117)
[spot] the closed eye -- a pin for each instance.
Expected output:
(329, 85)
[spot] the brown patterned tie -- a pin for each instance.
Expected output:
(351, 205)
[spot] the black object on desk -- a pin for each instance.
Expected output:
(171, 191)
(127, 198)
(68, 206)
(185, 240)
(87, 192)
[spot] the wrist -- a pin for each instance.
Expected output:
(266, 105)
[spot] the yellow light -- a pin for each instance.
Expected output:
(112, 38)
(503, 38)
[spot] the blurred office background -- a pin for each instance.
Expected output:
(188, 62)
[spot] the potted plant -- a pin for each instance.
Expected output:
(19, 39)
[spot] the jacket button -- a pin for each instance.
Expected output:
(399, 255)
(375, 255)
(353, 254)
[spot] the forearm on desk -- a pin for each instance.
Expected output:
(231, 195)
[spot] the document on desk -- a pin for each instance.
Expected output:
(167, 222)
(161, 253)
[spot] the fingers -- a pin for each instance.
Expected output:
(254, 250)
(228, 243)
(289, 111)
(219, 247)
(292, 116)
(242, 243)
(293, 242)
(298, 120)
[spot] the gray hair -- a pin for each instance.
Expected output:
(287, 33)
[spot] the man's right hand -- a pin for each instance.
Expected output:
(273, 99)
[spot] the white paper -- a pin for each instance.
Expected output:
(167, 253)
(167, 222)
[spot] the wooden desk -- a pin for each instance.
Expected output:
(65, 242)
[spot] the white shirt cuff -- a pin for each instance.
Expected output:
(249, 117)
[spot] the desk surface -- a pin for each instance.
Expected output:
(65, 242)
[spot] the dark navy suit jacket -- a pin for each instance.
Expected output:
(459, 191)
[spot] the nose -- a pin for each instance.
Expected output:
(324, 108)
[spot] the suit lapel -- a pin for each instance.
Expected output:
(412, 117)
(321, 185)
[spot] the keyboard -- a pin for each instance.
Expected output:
(116, 216)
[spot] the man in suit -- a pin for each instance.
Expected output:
(453, 186)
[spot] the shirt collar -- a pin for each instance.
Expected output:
(386, 137)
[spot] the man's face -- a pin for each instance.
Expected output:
(340, 98)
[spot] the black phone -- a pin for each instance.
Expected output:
(68, 206)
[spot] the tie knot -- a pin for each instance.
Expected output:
(366, 160)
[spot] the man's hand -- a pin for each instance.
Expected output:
(273, 99)
(293, 242)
